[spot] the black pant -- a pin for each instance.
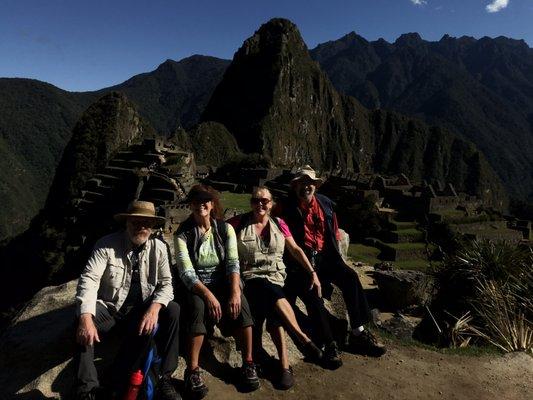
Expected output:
(166, 338)
(330, 270)
(200, 320)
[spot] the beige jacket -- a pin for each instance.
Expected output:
(261, 261)
(107, 275)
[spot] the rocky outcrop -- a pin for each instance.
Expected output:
(213, 144)
(277, 102)
(37, 348)
(107, 125)
(402, 288)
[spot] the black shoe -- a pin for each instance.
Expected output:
(365, 344)
(166, 390)
(90, 395)
(249, 381)
(332, 356)
(312, 352)
(264, 363)
(195, 386)
(286, 379)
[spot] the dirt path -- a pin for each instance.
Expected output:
(404, 373)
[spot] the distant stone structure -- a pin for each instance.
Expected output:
(153, 170)
(247, 179)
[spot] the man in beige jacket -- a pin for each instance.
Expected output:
(127, 283)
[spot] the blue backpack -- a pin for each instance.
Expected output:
(150, 366)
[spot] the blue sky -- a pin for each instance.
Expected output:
(87, 45)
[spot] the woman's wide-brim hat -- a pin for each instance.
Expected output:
(141, 209)
(307, 172)
(199, 195)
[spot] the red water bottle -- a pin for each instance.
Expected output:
(136, 381)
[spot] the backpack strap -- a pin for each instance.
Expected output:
(243, 221)
(220, 230)
(276, 221)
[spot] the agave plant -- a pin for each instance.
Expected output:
(499, 261)
(503, 312)
(491, 285)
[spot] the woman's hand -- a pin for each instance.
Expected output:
(213, 306)
(234, 304)
(87, 333)
(316, 284)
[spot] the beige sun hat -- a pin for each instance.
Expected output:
(307, 172)
(137, 208)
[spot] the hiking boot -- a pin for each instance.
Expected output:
(365, 344)
(312, 353)
(166, 390)
(332, 356)
(264, 362)
(90, 395)
(195, 386)
(286, 379)
(249, 381)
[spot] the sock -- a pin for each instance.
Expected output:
(357, 331)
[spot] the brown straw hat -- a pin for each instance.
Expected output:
(137, 208)
(198, 194)
(307, 172)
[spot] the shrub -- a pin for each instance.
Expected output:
(489, 284)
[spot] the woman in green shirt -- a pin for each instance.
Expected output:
(208, 265)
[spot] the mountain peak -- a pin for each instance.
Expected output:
(409, 39)
(353, 38)
(272, 38)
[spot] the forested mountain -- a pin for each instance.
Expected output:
(36, 122)
(277, 102)
(480, 89)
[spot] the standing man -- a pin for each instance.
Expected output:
(127, 283)
(313, 223)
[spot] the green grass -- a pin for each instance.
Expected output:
(235, 200)
(469, 351)
(369, 255)
(365, 254)
(407, 246)
(460, 217)
(414, 264)
(402, 225)
(408, 231)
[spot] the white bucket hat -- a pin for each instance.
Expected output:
(307, 172)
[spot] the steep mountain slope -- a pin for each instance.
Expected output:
(481, 89)
(54, 237)
(277, 102)
(36, 122)
(176, 93)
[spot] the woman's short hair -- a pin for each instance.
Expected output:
(258, 189)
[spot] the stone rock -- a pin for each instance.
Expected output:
(344, 244)
(37, 348)
(399, 326)
(384, 266)
(402, 288)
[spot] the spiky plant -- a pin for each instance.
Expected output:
(494, 282)
(503, 311)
